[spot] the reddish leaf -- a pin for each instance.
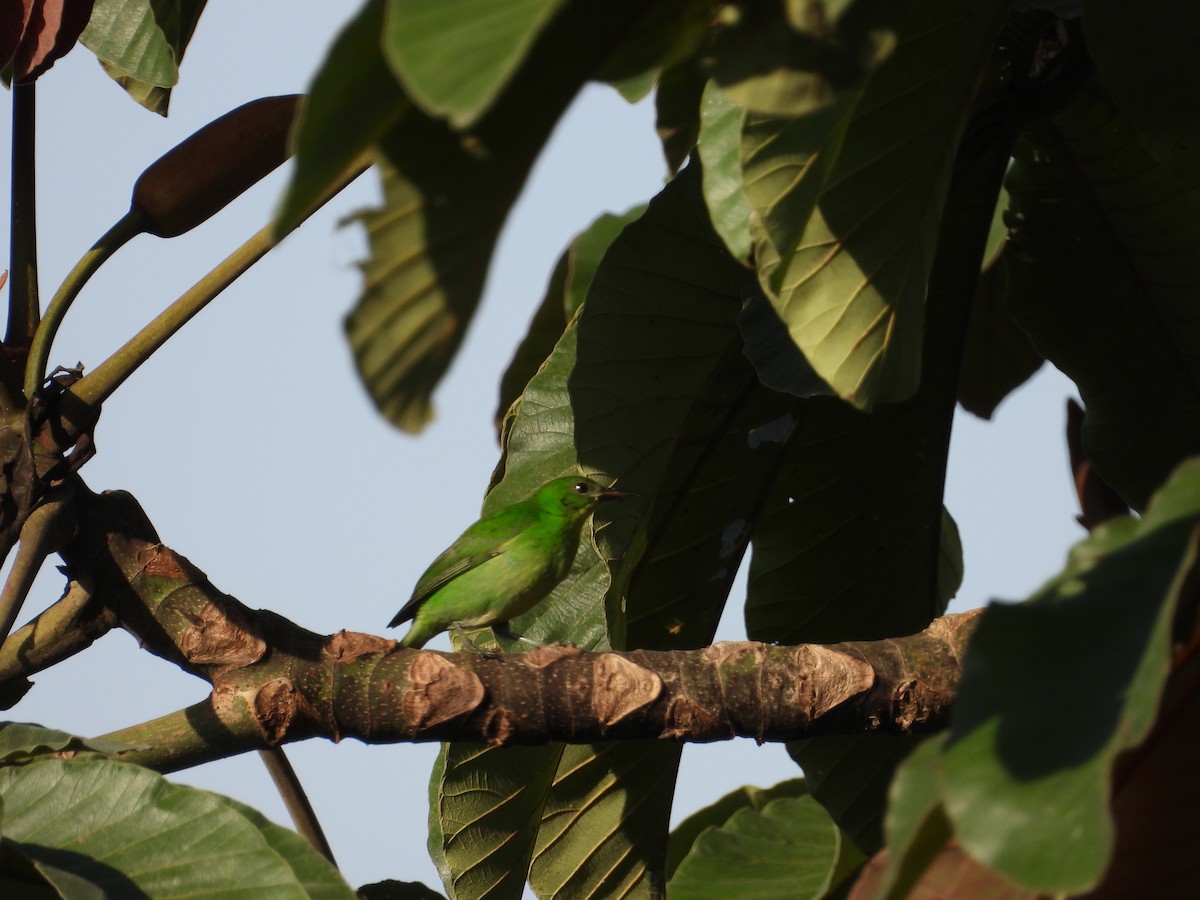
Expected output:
(952, 875)
(12, 25)
(51, 28)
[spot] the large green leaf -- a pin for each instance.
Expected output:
(105, 828)
(447, 194)
(790, 848)
(788, 59)
(353, 101)
(604, 827)
(916, 823)
(1054, 690)
(1104, 266)
(454, 57)
(635, 389)
(855, 543)
(720, 150)
(999, 356)
(485, 806)
(1147, 64)
(569, 283)
(684, 835)
(851, 196)
(677, 108)
(141, 44)
(849, 775)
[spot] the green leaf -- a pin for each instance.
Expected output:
(565, 293)
(720, 151)
(683, 835)
(851, 197)
(677, 104)
(770, 349)
(916, 824)
(430, 246)
(626, 393)
(1148, 66)
(1104, 265)
(849, 775)
(107, 826)
(791, 59)
(855, 486)
(1055, 689)
(664, 33)
(855, 543)
(789, 849)
(999, 356)
(23, 739)
(353, 101)
(604, 826)
(454, 57)
(141, 44)
(485, 807)
(447, 195)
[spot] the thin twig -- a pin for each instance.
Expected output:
(42, 534)
(304, 817)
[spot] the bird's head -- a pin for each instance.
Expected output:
(579, 493)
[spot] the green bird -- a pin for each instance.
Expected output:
(505, 563)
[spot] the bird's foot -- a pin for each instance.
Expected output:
(462, 640)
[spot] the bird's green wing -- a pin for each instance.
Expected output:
(484, 540)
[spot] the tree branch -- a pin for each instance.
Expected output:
(274, 682)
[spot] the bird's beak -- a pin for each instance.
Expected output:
(613, 494)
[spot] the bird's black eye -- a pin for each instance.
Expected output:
(581, 487)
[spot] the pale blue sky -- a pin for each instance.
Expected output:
(256, 453)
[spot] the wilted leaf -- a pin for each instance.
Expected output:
(46, 32)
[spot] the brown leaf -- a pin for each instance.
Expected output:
(952, 875)
(51, 28)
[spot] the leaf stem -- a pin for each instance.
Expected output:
(127, 227)
(23, 308)
(97, 386)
